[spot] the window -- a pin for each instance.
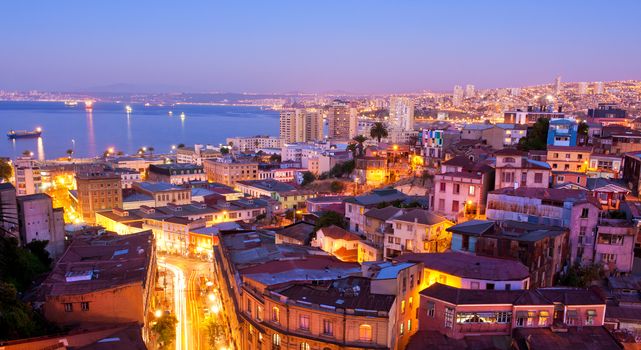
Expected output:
(456, 189)
(608, 257)
(84, 306)
(442, 279)
(328, 327)
(390, 239)
(441, 204)
(474, 285)
(430, 309)
(507, 177)
(304, 346)
(409, 325)
(589, 319)
(249, 306)
(442, 186)
(455, 206)
(538, 178)
(543, 318)
(275, 314)
(276, 339)
(585, 212)
(349, 208)
(449, 317)
(410, 301)
(365, 332)
(401, 328)
(488, 317)
(472, 189)
(259, 312)
(508, 286)
(68, 307)
(403, 306)
(303, 322)
(489, 286)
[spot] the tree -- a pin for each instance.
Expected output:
(181, 145)
(360, 139)
(38, 249)
(352, 148)
(165, 329)
(151, 150)
(537, 136)
(330, 218)
(308, 178)
(581, 276)
(337, 186)
(275, 158)
(583, 128)
(19, 266)
(6, 171)
(17, 319)
(378, 131)
(27, 153)
(215, 332)
(69, 153)
(224, 150)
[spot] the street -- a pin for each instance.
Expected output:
(191, 300)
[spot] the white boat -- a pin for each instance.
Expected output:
(128, 109)
(170, 113)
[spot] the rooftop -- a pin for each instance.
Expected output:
(383, 195)
(552, 194)
(588, 338)
(421, 216)
(540, 296)
(100, 263)
(268, 185)
(349, 293)
(336, 232)
(383, 214)
(470, 266)
(157, 186)
(300, 231)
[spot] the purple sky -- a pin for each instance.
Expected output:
(281, 46)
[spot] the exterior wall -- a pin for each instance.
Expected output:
(431, 276)
(568, 160)
(176, 179)
(583, 233)
(459, 326)
(115, 305)
(355, 213)
(229, 173)
(522, 177)
(96, 194)
(615, 245)
(119, 227)
(416, 238)
(471, 202)
(37, 221)
(252, 143)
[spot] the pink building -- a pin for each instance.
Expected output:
(615, 245)
(457, 313)
(577, 210)
(515, 169)
(460, 190)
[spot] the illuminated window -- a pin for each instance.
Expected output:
(430, 309)
(68, 307)
(472, 189)
(409, 325)
(328, 327)
(276, 339)
(365, 332)
(275, 314)
(303, 322)
(449, 317)
(304, 346)
(543, 318)
(403, 306)
(589, 319)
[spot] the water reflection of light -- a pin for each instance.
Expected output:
(41, 149)
(90, 133)
(129, 136)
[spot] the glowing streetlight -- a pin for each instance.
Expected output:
(158, 313)
(211, 297)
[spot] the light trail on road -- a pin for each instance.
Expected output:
(180, 309)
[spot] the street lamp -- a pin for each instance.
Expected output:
(158, 313)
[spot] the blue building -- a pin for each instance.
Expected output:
(563, 132)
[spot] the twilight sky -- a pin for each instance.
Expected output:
(314, 46)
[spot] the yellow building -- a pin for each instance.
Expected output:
(569, 158)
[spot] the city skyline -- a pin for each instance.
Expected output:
(289, 47)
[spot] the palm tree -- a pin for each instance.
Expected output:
(359, 139)
(69, 153)
(27, 153)
(352, 148)
(151, 150)
(378, 131)
(181, 145)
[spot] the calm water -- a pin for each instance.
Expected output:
(91, 133)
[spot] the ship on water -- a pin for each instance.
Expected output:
(24, 134)
(71, 103)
